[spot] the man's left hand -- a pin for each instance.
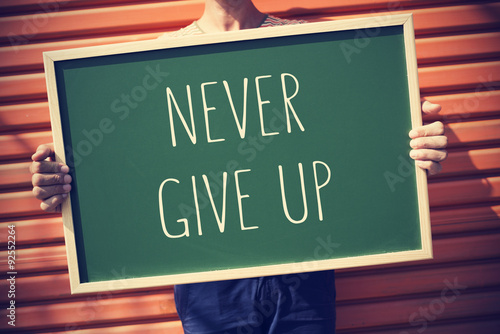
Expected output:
(429, 142)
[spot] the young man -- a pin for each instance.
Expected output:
(300, 303)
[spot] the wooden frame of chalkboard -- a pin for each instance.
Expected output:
(240, 154)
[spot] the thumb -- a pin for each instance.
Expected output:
(429, 108)
(43, 152)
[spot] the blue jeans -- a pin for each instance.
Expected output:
(296, 303)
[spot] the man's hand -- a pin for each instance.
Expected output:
(429, 142)
(51, 181)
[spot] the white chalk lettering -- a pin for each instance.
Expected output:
(241, 123)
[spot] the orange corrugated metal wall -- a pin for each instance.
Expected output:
(458, 46)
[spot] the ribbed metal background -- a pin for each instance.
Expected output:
(458, 47)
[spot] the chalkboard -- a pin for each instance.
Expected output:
(240, 154)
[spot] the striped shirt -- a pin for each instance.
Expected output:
(194, 28)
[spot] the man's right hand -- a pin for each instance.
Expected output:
(51, 181)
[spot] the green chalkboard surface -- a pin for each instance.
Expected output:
(241, 154)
